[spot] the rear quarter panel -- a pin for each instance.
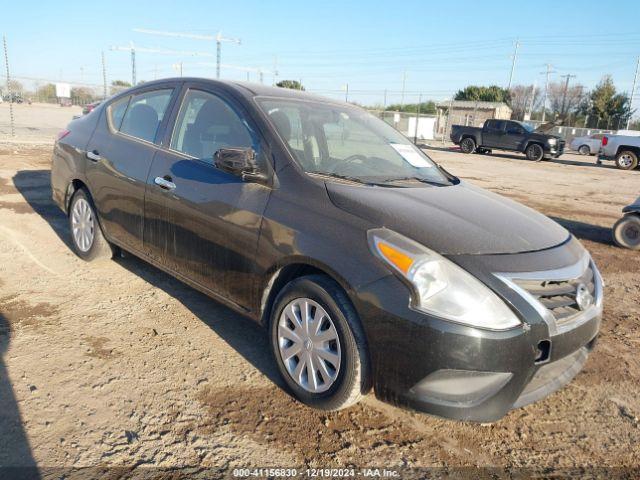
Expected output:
(68, 159)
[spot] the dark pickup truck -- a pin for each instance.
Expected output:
(508, 135)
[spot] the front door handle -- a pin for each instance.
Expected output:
(165, 183)
(94, 156)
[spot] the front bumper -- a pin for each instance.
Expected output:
(465, 373)
(555, 150)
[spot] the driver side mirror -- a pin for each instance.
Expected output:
(240, 162)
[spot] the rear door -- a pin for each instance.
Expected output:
(119, 155)
(201, 222)
(493, 134)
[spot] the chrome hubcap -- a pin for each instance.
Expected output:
(308, 345)
(625, 160)
(82, 224)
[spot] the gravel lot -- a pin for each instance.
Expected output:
(117, 364)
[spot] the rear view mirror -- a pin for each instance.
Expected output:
(238, 161)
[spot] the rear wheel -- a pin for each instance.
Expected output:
(627, 160)
(584, 150)
(86, 235)
(468, 145)
(626, 232)
(318, 344)
(534, 152)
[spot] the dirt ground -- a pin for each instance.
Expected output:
(38, 123)
(117, 364)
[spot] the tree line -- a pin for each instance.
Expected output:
(602, 107)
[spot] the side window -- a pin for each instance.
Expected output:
(206, 124)
(514, 129)
(491, 124)
(497, 125)
(116, 112)
(304, 146)
(144, 114)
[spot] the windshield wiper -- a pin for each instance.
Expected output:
(343, 177)
(417, 179)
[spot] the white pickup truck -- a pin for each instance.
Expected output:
(623, 149)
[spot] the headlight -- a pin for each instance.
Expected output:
(442, 288)
(552, 141)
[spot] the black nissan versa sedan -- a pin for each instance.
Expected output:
(369, 265)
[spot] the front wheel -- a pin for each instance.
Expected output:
(86, 235)
(627, 160)
(626, 232)
(534, 152)
(468, 145)
(318, 344)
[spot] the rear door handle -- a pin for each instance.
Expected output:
(165, 183)
(94, 156)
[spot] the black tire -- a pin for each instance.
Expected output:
(627, 160)
(98, 247)
(468, 145)
(584, 150)
(353, 378)
(534, 152)
(626, 232)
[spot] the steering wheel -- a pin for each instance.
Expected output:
(357, 158)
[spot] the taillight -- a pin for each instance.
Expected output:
(63, 134)
(605, 140)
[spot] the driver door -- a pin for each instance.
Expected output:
(201, 222)
(515, 136)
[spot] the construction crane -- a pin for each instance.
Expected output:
(261, 72)
(218, 38)
(133, 49)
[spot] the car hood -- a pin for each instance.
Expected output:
(546, 127)
(452, 220)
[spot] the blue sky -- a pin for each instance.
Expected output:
(443, 46)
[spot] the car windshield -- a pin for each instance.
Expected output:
(528, 128)
(349, 143)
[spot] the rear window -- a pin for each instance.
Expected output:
(144, 114)
(495, 124)
(116, 112)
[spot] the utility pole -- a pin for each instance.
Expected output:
(446, 125)
(133, 65)
(415, 135)
(564, 93)
(6, 63)
(275, 70)
(346, 92)
(533, 96)
(546, 91)
(513, 64)
(633, 92)
(404, 82)
(384, 100)
(104, 77)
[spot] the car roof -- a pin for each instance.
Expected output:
(246, 89)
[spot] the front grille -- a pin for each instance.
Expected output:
(561, 144)
(559, 296)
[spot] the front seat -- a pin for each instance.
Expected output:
(283, 125)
